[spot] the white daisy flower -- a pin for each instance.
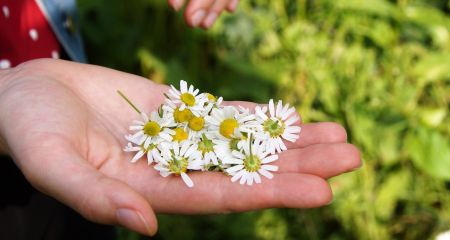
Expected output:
(251, 163)
(153, 130)
(178, 158)
(180, 117)
(206, 148)
(278, 125)
(228, 122)
(153, 154)
(187, 98)
(213, 102)
(225, 146)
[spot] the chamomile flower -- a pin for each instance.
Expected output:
(227, 122)
(224, 147)
(187, 98)
(206, 148)
(251, 163)
(153, 154)
(180, 117)
(213, 102)
(192, 131)
(196, 127)
(153, 130)
(178, 159)
(277, 125)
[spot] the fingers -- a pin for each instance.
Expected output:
(319, 133)
(71, 180)
(176, 4)
(214, 192)
(203, 13)
(232, 5)
(323, 160)
(213, 12)
(311, 133)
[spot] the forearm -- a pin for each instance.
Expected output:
(4, 80)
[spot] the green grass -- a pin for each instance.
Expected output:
(381, 68)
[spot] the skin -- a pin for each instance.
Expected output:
(64, 124)
(203, 13)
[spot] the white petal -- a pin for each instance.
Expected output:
(147, 142)
(237, 176)
(149, 157)
(288, 113)
(291, 120)
(233, 169)
(293, 129)
(281, 144)
(284, 110)
(244, 178)
(183, 86)
(230, 160)
(265, 173)
(250, 179)
(279, 108)
(277, 145)
(256, 177)
(269, 167)
(164, 173)
(136, 127)
(137, 156)
(269, 159)
(184, 147)
(187, 180)
(271, 108)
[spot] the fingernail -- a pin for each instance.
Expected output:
(233, 5)
(330, 202)
(197, 17)
(133, 220)
(176, 4)
(210, 19)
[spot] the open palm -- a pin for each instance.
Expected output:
(64, 125)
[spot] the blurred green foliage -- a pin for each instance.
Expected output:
(381, 68)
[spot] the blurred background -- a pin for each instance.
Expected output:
(380, 68)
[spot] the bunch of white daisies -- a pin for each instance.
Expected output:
(193, 131)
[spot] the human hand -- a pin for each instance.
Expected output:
(203, 13)
(64, 125)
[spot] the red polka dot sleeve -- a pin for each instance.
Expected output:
(25, 33)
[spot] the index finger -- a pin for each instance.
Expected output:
(311, 133)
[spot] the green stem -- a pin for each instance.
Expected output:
(128, 101)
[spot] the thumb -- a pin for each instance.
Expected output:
(70, 179)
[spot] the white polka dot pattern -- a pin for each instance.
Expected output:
(33, 34)
(5, 10)
(55, 54)
(4, 63)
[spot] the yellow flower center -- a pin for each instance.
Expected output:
(227, 127)
(182, 116)
(152, 128)
(178, 166)
(180, 135)
(211, 97)
(274, 128)
(196, 123)
(188, 99)
(206, 145)
(252, 163)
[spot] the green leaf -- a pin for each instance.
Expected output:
(392, 189)
(430, 152)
